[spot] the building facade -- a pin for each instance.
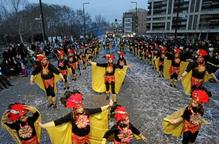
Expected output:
(133, 24)
(199, 18)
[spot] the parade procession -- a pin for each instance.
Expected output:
(72, 75)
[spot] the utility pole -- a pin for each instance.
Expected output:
(84, 31)
(43, 24)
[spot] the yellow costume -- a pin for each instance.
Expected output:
(98, 73)
(14, 135)
(98, 126)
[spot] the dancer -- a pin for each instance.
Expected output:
(123, 131)
(197, 72)
(22, 127)
(77, 124)
(172, 66)
(46, 75)
(63, 67)
(121, 61)
(187, 121)
(108, 76)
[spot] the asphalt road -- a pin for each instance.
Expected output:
(147, 97)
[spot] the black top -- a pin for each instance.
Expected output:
(173, 60)
(62, 64)
(187, 113)
(48, 75)
(74, 60)
(200, 75)
(115, 131)
(69, 118)
(108, 66)
(27, 126)
(121, 62)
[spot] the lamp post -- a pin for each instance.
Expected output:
(43, 24)
(136, 16)
(84, 18)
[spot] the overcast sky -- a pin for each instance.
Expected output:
(110, 9)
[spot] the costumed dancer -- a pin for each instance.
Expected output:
(122, 45)
(121, 61)
(46, 75)
(123, 131)
(187, 121)
(73, 63)
(109, 77)
(84, 59)
(161, 57)
(197, 72)
(24, 129)
(63, 66)
(77, 130)
(175, 66)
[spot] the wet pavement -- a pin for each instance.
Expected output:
(147, 97)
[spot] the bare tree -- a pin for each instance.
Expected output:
(16, 6)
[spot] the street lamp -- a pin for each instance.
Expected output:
(43, 24)
(84, 18)
(136, 16)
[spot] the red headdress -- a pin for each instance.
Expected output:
(163, 49)
(202, 52)
(110, 56)
(74, 101)
(201, 96)
(40, 57)
(61, 52)
(16, 111)
(121, 53)
(177, 50)
(70, 51)
(120, 113)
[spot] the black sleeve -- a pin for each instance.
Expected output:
(12, 125)
(93, 111)
(210, 68)
(117, 66)
(190, 66)
(134, 129)
(186, 114)
(200, 110)
(53, 69)
(125, 62)
(64, 119)
(102, 65)
(110, 132)
(36, 70)
(169, 56)
(66, 63)
(118, 62)
(34, 117)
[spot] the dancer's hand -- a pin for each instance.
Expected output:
(103, 141)
(30, 108)
(143, 137)
(4, 117)
(31, 80)
(129, 65)
(111, 103)
(180, 78)
(40, 124)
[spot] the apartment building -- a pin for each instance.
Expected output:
(196, 18)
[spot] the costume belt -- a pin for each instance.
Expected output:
(33, 140)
